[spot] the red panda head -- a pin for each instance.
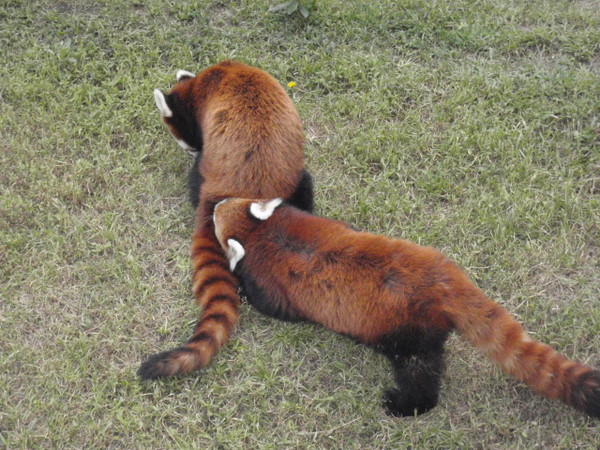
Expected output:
(177, 111)
(235, 219)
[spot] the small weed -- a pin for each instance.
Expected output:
(303, 7)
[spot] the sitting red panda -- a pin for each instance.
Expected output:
(396, 296)
(247, 139)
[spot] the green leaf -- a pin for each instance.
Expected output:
(292, 7)
(280, 6)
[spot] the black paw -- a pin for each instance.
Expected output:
(398, 402)
(585, 394)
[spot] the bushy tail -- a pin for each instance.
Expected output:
(215, 289)
(496, 332)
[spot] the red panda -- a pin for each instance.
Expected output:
(247, 139)
(396, 296)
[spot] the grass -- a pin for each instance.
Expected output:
(472, 126)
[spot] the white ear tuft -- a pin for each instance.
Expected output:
(181, 74)
(235, 252)
(221, 202)
(184, 145)
(161, 104)
(263, 211)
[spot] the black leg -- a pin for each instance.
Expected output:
(417, 359)
(302, 198)
(195, 181)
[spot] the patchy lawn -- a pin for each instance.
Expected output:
(471, 126)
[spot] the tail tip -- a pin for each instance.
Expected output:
(165, 364)
(585, 396)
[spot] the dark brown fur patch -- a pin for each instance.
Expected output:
(232, 301)
(221, 117)
(392, 279)
(202, 336)
(293, 275)
(212, 78)
(332, 257)
(368, 262)
(290, 244)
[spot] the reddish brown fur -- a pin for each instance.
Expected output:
(369, 286)
(249, 125)
(252, 146)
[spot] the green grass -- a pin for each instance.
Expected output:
(472, 126)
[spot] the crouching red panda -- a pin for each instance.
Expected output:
(396, 296)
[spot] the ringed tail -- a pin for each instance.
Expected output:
(216, 292)
(498, 334)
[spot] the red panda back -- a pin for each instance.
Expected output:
(355, 283)
(250, 127)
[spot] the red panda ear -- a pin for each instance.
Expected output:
(264, 210)
(161, 104)
(222, 201)
(235, 252)
(184, 75)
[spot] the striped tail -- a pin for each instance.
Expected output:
(496, 332)
(215, 289)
